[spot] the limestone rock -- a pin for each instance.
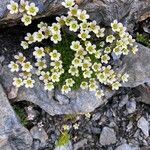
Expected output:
(39, 134)
(144, 126)
(138, 67)
(13, 136)
(128, 11)
(81, 101)
(108, 136)
(126, 147)
(144, 92)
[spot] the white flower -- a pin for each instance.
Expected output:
(111, 79)
(39, 52)
(84, 35)
(107, 50)
(86, 65)
(99, 93)
(75, 45)
(41, 64)
(38, 72)
(134, 49)
(65, 89)
(55, 55)
(13, 7)
(23, 5)
(27, 67)
(68, 19)
(73, 26)
(25, 75)
(102, 44)
(32, 10)
(26, 19)
(107, 70)
(73, 71)
(29, 38)
(100, 33)
(92, 25)
(125, 78)
(110, 38)
(87, 59)
(98, 54)
(30, 117)
(17, 82)
(105, 58)
(20, 58)
(49, 86)
(55, 28)
(55, 77)
(92, 81)
(91, 49)
(116, 26)
(61, 20)
(116, 85)
(76, 126)
(87, 74)
(84, 85)
(77, 62)
(80, 53)
(82, 15)
(38, 36)
(84, 25)
(125, 51)
(92, 87)
(96, 67)
(66, 127)
(70, 82)
(73, 11)
(14, 67)
(24, 44)
(47, 32)
(87, 115)
(42, 25)
(29, 83)
(101, 77)
(117, 50)
(56, 37)
(57, 64)
(45, 76)
(68, 3)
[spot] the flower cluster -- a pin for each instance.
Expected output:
(92, 59)
(27, 9)
(24, 68)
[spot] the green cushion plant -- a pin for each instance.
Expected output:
(78, 59)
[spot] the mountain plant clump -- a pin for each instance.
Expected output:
(91, 66)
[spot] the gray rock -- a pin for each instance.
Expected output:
(63, 99)
(131, 106)
(144, 93)
(108, 136)
(67, 146)
(13, 136)
(80, 101)
(129, 11)
(144, 126)
(126, 147)
(96, 116)
(138, 67)
(13, 92)
(124, 101)
(79, 144)
(40, 135)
